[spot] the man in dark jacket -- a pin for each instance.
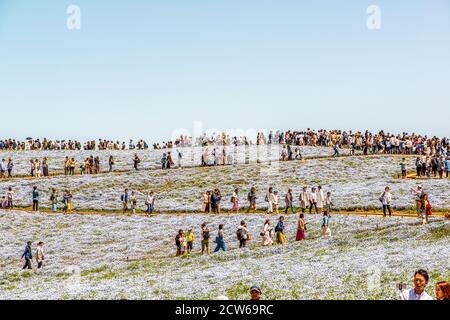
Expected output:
(27, 255)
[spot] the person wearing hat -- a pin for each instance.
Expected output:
(304, 199)
(255, 293)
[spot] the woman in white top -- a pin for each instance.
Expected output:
(270, 200)
(385, 199)
(303, 199)
(267, 233)
(320, 198)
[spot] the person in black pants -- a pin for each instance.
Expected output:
(35, 199)
(27, 255)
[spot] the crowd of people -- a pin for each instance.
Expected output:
(184, 242)
(315, 200)
(368, 142)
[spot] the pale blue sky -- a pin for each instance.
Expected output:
(144, 68)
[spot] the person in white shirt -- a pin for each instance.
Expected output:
(303, 199)
(385, 199)
(275, 201)
(313, 200)
(418, 292)
(320, 198)
(270, 200)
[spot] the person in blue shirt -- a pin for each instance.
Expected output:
(27, 255)
(447, 167)
(35, 196)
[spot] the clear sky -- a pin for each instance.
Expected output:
(141, 69)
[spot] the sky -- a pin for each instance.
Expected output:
(148, 69)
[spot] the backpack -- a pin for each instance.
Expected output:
(239, 234)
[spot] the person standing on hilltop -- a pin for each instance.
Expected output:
(136, 162)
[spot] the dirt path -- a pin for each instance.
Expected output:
(403, 214)
(119, 172)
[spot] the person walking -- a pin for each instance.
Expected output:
(205, 239)
(216, 197)
(275, 201)
(303, 199)
(220, 241)
(251, 197)
(9, 197)
(111, 163)
(35, 197)
(267, 233)
(301, 227)
(45, 167)
(235, 201)
(40, 254)
(279, 229)
(313, 200)
(289, 201)
(270, 199)
(3, 168)
(136, 162)
(149, 201)
(9, 167)
(329, 204)
(320, 198)
(27, 255)
(190, 241)
(54, 200)
(386, 199)
(124, 198)
(425, 208)
(403, 168)
(179, 239)
(242, 234)
(133, 202)
(325, 228)
(206, 202)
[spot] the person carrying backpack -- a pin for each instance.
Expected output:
(242, 234)
(205, 239)
(27, 255)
